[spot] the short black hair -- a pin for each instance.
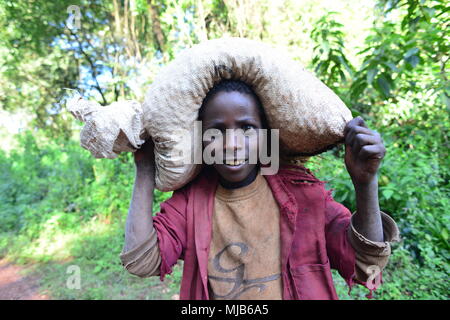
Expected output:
(234, 86)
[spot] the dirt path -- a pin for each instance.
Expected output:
(16, 286)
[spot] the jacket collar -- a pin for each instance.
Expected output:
(286, 174)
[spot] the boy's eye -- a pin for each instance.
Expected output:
(247, 127)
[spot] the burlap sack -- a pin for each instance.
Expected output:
(310, 117)
(109, 130)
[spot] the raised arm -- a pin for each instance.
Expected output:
(139, 224)
(363, 154)
(153, 245)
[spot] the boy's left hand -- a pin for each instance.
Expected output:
(364, 150)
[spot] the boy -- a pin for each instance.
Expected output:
(247, 236)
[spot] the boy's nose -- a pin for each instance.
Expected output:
(233, 141)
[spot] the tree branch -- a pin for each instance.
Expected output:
(91, 63)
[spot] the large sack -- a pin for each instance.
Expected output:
(109, 130)
(310, 117)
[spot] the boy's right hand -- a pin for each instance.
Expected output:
(145, 155)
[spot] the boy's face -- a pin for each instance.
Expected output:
(233, 110)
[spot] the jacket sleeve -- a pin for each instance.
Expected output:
(371, 256)
(144, 260)
(170, 225)
(340, 252)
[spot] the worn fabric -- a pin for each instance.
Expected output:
(145, 259)
(244, 256)
(294, 100)
(109, 130)
(372, 256)
(316, 235)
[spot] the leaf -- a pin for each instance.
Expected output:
(345, 63)
(97, 269)
(344, 196)
(357, 88)
(342, 75)
(326, 48)
(413, 61)
(410, 53)
(387, 193)
(428, 13)
(355, 113)
(444, 234)
(445, 99)
(392, 66)
(383, 86)
(371, 75)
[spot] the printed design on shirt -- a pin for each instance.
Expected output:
(240, 285)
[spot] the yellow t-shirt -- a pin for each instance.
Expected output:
(244, 258)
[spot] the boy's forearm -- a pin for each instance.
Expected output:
(367, 219)
(139, 224)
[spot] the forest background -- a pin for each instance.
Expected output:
(60, 207)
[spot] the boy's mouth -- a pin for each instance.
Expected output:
(235, 163)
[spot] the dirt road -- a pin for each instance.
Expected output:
(14, 285)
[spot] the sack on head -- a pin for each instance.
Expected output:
(310, 116)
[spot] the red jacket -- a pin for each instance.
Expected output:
(313, 229)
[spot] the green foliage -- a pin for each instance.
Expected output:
(26, 174)
(399, 49)
(330, 61)
(402, 90)
(61, 207)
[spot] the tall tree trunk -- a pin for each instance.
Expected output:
(128, 47)
(137, 51)
(117, 17)
(156, 25)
